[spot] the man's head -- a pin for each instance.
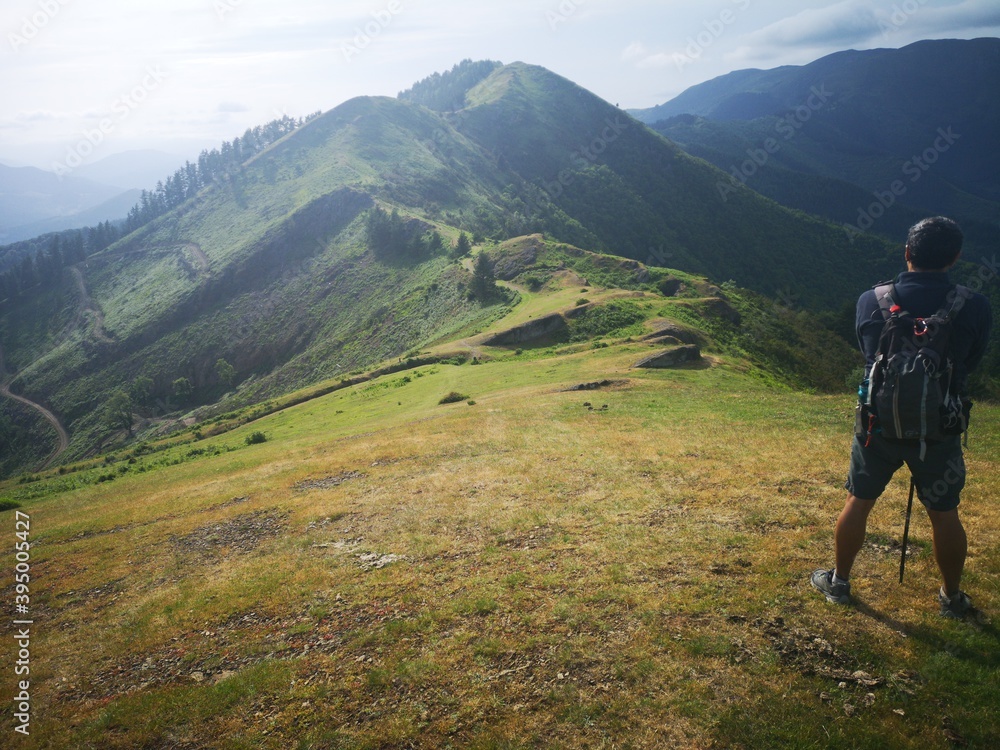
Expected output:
(933, 244)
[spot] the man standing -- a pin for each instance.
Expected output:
(933, 246)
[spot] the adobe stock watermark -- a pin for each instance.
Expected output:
(787, 128)
(441, 135)
(901, 14)
(23, 623)
(914, 168)
(31, 26)
(121, 109)
(561, 14)
(581, 158)
(659, 256)
(224, 7)
(714, 28)
(365, 35)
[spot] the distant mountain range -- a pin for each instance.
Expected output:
(870, 139)
(29, 195)
(35, 201)
(138, 169)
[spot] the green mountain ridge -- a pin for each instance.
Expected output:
(632, 193)
(270, 269)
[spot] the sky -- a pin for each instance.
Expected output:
(85, 79)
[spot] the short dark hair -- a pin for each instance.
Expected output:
(934, 243)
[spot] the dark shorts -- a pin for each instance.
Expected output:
(940, 477)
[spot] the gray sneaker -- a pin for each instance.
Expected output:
(957, 606)
(837, 593)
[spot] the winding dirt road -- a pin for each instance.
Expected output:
(86, 305)
(52, 419)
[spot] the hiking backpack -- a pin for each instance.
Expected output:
(909, 386)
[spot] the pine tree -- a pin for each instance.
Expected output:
(435, 243)
(484, 283)
(464, 246)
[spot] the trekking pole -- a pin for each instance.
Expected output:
(906, 530)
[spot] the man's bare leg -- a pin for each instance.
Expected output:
(950, 547)
(849, 535)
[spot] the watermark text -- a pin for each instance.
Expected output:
(22, 623)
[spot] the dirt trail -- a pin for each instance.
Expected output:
(88, 305)
(199, 255)
(5, 382)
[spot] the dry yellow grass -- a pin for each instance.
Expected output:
(552, 576)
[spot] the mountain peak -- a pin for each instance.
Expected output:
(446, 92)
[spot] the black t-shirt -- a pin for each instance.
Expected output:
(923, 293)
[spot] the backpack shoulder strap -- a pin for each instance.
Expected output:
(959, 296)
(885, 295)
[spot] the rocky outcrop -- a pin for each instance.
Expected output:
(675, 357)
(671, 332)
(510, 263)
(596, 385)
(718, 308)
(553, 325)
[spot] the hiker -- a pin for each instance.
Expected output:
(933, 246)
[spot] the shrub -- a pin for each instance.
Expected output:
(453, 398)
(534, 282)
(608, 319)
(256, 437)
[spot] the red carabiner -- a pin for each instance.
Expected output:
(871, 427)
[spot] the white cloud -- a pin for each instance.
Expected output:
(861, 24)
(970, 15)
(635, 51)
(637, 54)
(843, 23)
(36, 118)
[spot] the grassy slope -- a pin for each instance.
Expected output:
(266, 269)
(633, 576)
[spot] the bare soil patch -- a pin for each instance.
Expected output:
(327, 483)
(241, 534)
